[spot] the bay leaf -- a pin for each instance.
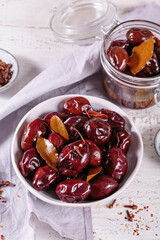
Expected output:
(58, 126)
(47, 151)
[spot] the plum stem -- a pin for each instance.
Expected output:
(73, 128)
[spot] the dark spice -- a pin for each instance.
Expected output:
(131, 206)
(4, 183)
(130, 217)
(112, 204)
(2, 237)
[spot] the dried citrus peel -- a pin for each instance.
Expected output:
(141, 55)
(93, 172)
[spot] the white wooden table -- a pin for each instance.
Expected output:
(24, 31)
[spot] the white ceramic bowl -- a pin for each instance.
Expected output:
(9, 59)
(134, 154)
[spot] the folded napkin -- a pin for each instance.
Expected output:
(76, 73)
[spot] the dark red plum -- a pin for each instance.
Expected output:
(62, 116)
(116, 164)
(43, 178)
(76, 122)
(120, 138)
(57, 140)
(152, 66)
(102, 186)
(76, 106)
(73, 190)
(114, 119)
(136, 36)
(118, 57)
(30, 162)
(73, 158)
(97, 131)
(95, 154)
(119, 43)
(30, 133)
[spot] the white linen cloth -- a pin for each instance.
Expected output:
(76, 73)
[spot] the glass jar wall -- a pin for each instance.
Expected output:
(130, 91)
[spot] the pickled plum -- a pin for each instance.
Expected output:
(57, 140)
(152, 66)
(73, 190)
(73, 158)
(97, 131)
(136, 36)
(118, 57)
(102, 186)
(43, 178)
(95, 154)
(30, 133)
(114, 119)
(116, 164)
(76, 106)
(30, 162)
(76, 122)
(119, 43)
(62, 116)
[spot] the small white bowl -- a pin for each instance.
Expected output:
(134, 154)
(9, 59)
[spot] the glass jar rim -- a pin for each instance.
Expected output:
(127, 78)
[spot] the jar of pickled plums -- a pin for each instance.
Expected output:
(126, 45)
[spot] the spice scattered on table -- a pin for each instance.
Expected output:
(5, 73)
(131, 206)
(112, 204)
(138, 222)
(2, 237)
(4, 183)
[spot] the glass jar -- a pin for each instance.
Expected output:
(129, 91)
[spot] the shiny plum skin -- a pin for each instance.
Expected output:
(71, 162)
(152, 66)
(73, 190)
(102, 186)
(76, 106)
(119, 43)
(29, 135)
(95, 154)
(118, 57)
(77, 122)
(43, 178)
(62, 116)
(121, 139)
(136, 36)
(97, 131)
(114, 119)
(30, 162)
(157, 50)
(116, 164)
(57, 141)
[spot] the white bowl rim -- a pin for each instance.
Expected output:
(82, 204)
